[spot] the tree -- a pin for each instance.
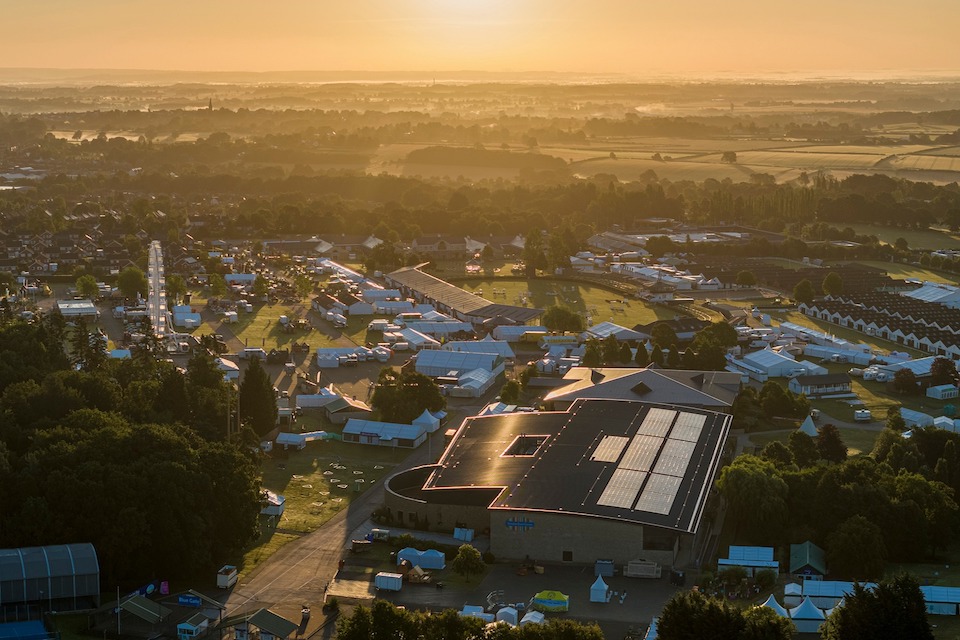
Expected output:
(625, 354)
(856, 549)
(673, 356)
(175, 286)
(691, 615)
(803, 449)
(663, 334)
(830, 445)
(711, 355)
(656, 356)
(592, 353)
(777, 453)
(401, 397)
(943, 371)
(895, 421)
(905, 382)
(894, 608)
(642, 358)
(900, 244)
(132, 282)
(762, 623)
(258, 402)
(804, 292)
(468, 561)
(558, 318)
(720, 332)
(510, 392)
(218, 286)
(756, 496)
(610, 349)
(833, 284)
(746, 279)
(729, 156)
(87, 286)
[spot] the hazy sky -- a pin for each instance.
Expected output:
(604, 36)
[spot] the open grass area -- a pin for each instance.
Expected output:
(857, 440)
(595, 304)
(908, 271)
(917, 239)
(380, 558)
(317, 483)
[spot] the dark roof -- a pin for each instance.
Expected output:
(663, 477)
(651, 384)
(807, 555)
(264, 620)
(679, 325)
(145, 609)
(520, 315)
(827, 378)
(73, 569)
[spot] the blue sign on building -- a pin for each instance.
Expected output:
(187, 600)
(519, 524)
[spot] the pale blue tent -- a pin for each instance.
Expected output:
(599, 592)
(432, 559)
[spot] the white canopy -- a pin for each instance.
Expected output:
(428, 421)
(508, 615)
(772, 603)
(806, 610)
(598, 592)
(808, 427)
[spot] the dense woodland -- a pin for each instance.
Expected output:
(130, 455)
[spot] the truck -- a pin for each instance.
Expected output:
(862, 415)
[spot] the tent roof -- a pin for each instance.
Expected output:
(599, 584)
(384, 430)
(772, 603)
(145, 609)
(808, 427)
(806, 610)
(426, 418)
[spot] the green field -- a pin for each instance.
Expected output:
(857, 440)
(311, 480)
(591, 302)
(925, 239)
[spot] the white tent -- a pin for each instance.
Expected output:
(772, 603)
(792, 594)
(428, 421)
(599, 591)
(532, 617)
(807, 617)
(508, 615)
(808, 427)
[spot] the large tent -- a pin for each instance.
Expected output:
(429, 559)
(808, 427)
(428, 421)
(550, 600)
(807, 617)
(508, 615)
(62, 577)
(772, 603)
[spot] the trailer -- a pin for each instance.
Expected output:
(227, 576)
(388, 581)
(641, 569)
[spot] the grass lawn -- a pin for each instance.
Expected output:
(74, 626)
(380, 558)
(591, 302)
(857, 440)
(898, 270)
(311, 480)
(923, 239)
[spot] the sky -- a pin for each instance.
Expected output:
(634, 37)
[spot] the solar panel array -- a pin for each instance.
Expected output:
(659, 493)
(641, 453)
(654, 463)
(688, 427)
(609, 449)
(622, 489)
(657, 423)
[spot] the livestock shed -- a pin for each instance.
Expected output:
(442, 363)
(487, 345)
(821, 385)
(943, 392)
(62, 577)
(384, 434)
(72, 309)
(607, 329)
(751, 559)
(514, 332)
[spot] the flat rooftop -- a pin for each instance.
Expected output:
(645, 463)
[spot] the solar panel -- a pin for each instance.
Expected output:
(641, 453)
(675, 457)
(688, 427)
(659, 494)
(622, 489)
(657, 422)
(609, 449)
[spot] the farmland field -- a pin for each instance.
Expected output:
(909, 271)
(925, 239)
(925, 162)
(942, 151)
(632, 169)
(806, 159)
(591, 302)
